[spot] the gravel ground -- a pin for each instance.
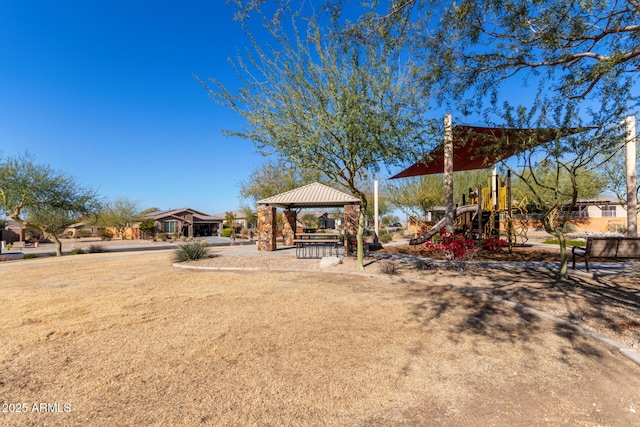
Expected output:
(128, 339)
(607, 305)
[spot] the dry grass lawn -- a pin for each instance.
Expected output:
(126, 339)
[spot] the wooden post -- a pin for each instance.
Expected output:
(480, 224)
(631, 161)
(510, 230)
(448, 174)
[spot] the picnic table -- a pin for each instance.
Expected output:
(316, 245)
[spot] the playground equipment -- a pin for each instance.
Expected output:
(480, 217)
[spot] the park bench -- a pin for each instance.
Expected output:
(316, 245)
(607, 247)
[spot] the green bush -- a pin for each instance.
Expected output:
(94, 249)
(385, 237)
(148, 227)
(29, 256)
(226, 232)
(83, 233)
(191, 251)
(76, 251)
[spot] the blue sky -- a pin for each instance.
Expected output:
(103, 90)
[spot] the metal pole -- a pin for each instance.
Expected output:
(631, 166)
(375, 208)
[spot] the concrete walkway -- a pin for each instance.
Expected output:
(246, 247)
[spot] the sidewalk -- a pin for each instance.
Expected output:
(239, 247)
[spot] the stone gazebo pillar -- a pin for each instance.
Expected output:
(267, 225)
(351, 220)
(289, 219)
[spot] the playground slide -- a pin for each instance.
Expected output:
(436, 228)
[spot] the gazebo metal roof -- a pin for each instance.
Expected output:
(314, 195)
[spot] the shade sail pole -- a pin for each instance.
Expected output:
(376, 221)
(631, 161)
(448, 174)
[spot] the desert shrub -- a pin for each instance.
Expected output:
(76, 251)
(83, 233)
(107, 235)
(162, 237)
(94, 249)
(385, 237)
(226, 232)
(191, 251)
(29, 256)
(423, 265)
(388, 267)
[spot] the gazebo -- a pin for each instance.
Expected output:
(314, 195)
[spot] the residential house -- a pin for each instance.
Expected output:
(600, 213)
(186, 222)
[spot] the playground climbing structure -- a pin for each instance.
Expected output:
(482, 211)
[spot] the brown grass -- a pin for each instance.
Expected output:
(126, 339)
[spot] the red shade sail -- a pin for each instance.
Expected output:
(476, 147)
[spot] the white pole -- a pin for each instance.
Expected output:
(448, 174)
(631, 166)
(494, 188)
(375, 208)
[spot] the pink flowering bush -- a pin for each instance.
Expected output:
(453, 246)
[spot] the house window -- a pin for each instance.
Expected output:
(608, 210)
(169, 226)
